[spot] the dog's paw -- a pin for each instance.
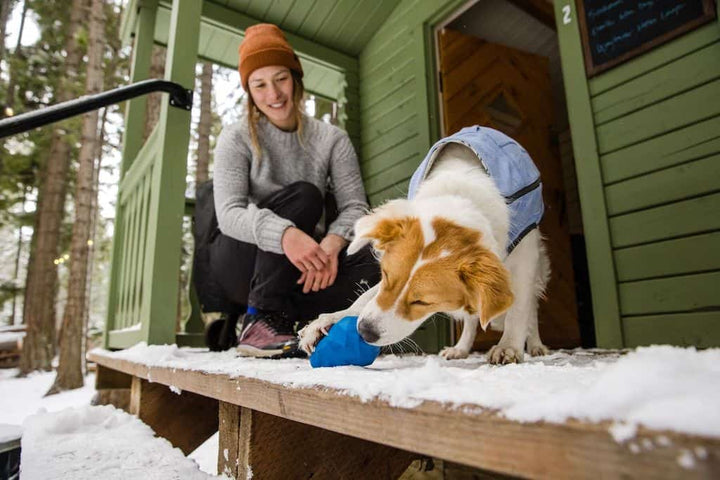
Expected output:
(499, 355)
(313, 332)
(537, 350)
(451, 353)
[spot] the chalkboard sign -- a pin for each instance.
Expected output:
(616, 30)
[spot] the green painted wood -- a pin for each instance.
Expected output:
(699, 253)
(685, 109)
(296, 16)
(382, 141)
(380, 102)
(378, 70)
(356, 21)
(689, 217)
(403, 148)
(687, 293)
(670, 185)
(683, 74)
(679, 146)
(131, 249)
(685, 329)
(385, 117)
(238, 22)
(605, 302)
(397, 172)
(399, 190)
(124, 339)
(393, 156)
(140, 166)
(335, 21)
(142, 19)
(124, 265)
(144, 193)
(167, 193)
(375, 84)
(655, 58)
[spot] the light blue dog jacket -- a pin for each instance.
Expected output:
(510, 167)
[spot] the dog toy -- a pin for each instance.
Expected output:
(343, 345)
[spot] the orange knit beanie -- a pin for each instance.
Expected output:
(265, 45)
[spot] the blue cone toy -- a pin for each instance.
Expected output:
(343, 346)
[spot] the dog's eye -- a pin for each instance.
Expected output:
(419, 303)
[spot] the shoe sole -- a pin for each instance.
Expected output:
(250, 351)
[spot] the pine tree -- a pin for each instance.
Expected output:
(42, 278)
(70, 369)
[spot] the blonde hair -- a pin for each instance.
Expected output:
(254, 113)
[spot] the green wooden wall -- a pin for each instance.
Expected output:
(397, 107)
(654, 126)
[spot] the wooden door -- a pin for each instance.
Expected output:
(500, 87)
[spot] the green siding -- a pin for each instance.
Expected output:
(657, 125)
(685, 329)
(397, 96)
(605, 302)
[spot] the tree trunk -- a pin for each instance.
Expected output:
(10, 93)
(70, 371)
(157, 70)
(203, 149)
(42, 278)
(5, 10)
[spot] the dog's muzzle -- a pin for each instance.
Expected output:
(368, 331)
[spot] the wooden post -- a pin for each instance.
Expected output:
(132, 142)
(264, 446)
(167, 194)
(113, 388)
(185, 419)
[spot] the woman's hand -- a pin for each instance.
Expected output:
(321, 279)
(302, 251)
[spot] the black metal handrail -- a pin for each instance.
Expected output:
(179, 97)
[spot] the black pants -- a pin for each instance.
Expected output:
(267, 281)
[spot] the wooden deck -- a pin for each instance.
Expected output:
(279, 432)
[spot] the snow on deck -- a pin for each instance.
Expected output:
(99, 443)
(659, 387)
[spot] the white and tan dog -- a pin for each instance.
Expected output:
(445, 251)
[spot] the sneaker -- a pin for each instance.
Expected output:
(268, 335)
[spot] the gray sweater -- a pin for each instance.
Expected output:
(325, 158)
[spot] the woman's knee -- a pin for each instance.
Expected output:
(306, 191)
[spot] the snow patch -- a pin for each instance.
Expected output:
(623, 432)
(98, 442)
(175, 390)
(686, 459)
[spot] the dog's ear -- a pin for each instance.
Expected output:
(380, 226)
(487, 284)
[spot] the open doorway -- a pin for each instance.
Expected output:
(499, 66)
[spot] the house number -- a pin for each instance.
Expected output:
(566, 14)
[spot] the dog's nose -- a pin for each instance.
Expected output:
(367, 332)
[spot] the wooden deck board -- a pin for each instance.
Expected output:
(467, 436)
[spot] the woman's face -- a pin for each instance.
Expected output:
(271, 89)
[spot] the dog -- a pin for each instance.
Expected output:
(466, 243)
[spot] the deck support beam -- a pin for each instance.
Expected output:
(185, 419)
(265, 446)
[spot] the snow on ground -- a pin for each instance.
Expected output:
(99, 442)
(64, 437)
(21, 397)
(660, 387)
(206, 455)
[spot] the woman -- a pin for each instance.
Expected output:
(272, 174)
